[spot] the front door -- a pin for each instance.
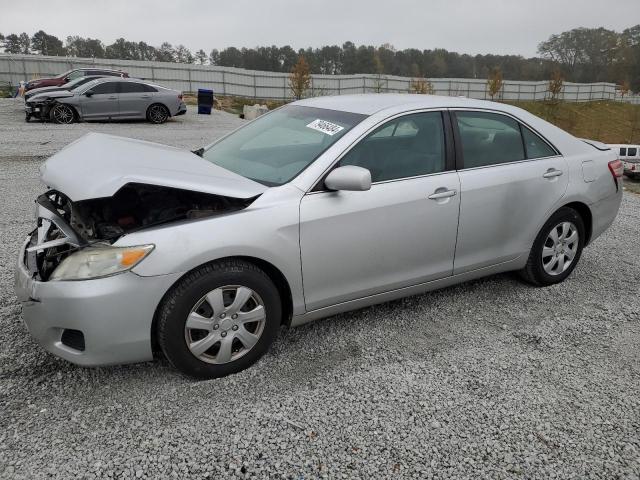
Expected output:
(401, 232)
(103, 104)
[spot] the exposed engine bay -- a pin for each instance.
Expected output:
(103, 220)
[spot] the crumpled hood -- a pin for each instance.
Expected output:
(54, 94)
(98, 165)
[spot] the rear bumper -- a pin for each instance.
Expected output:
(631, 167)
(182, 109)
(114, 314)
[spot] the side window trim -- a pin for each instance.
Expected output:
(449, 146)
(458, 141)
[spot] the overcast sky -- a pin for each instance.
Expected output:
(466, 26)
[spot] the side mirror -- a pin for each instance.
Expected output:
(349, 178)
(88, 93)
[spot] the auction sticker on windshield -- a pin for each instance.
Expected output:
(325, 127)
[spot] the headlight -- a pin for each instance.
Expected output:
(95, 262)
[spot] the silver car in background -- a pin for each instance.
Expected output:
(322, 206)
(108, 98)
(71, 85)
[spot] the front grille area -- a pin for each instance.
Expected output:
(41, 263)
(73, 339)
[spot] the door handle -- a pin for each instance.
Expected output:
(112, 98)
(437, 195)
(552, 172)
(145, 96)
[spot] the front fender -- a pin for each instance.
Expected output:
(267, 230)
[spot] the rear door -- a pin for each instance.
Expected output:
(103, 104)
(511, 179)
(135, 98)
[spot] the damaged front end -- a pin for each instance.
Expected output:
(65, 227)
(39, 108)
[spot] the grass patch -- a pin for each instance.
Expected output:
(608, 122)
(233, 104)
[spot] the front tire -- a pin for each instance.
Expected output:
(157, 113)
(556, 250)
(62, 114)
(219, 319)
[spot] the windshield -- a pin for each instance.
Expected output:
(62, 75)
(86, 86)
(77, 82)
(275, 148)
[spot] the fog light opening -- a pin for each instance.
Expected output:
(73, 339)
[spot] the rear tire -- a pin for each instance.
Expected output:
(556, 250)
(157, 113)
(219, 319)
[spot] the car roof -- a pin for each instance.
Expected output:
(370, 103)
(102, 69)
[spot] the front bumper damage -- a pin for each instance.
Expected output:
(88, 322)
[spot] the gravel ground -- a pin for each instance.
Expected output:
(38, 139)
(490, 379)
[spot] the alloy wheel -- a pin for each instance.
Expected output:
(158, 114)
(62, 114)
(560, 248)
(225, 324)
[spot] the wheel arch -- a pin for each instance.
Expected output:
(587, 217)
(74, 109)
(273, 272)
(146, 113)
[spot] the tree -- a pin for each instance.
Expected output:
(183, 54)
(214, 57)
(495, 82)
(300, 78)
(11, 43)
(201, 57)
(84, 47)
(625, 87)
(231, 57)
(379, 82)
(24, 41)
(555, 85)
(46, 44)
(421, 85)
(122, 49)
(166, 53)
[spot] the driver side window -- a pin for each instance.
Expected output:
(408, 146)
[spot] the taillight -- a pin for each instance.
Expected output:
(180, 97)
(616, 167)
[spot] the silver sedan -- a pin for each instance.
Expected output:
(109, 98)
(322, 206)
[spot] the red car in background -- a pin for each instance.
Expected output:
(72, 75)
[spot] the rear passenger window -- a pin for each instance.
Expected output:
(623, 152)
(126, 87)
(534, 145)
(631, 152)
(108, 87)
(489, 139)
(408, 146)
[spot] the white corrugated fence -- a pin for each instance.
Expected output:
(274, 85)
